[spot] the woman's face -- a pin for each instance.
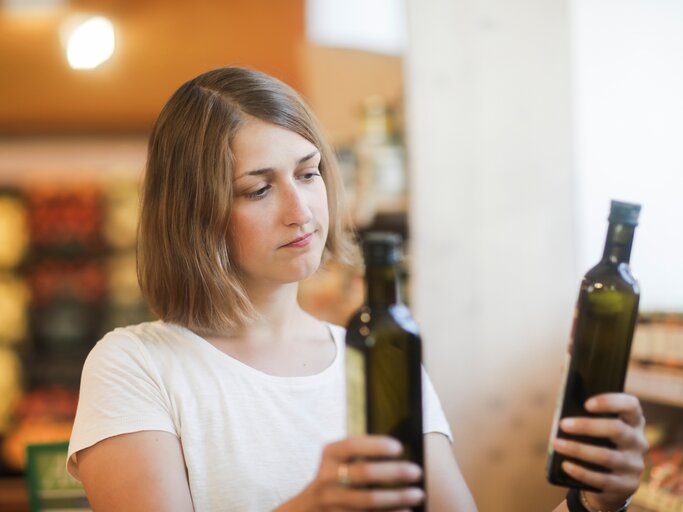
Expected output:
(280, 219)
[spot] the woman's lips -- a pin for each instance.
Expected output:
(302, 241)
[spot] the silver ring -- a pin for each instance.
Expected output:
(343, 475)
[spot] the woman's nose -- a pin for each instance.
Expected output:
(295, 207)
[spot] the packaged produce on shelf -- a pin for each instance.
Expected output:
(13, 230)
(122, 279)
(52, 278)
(63, 328)
(65, 218)
(40, 416)
(125, 305)
(10, 386)
(121, 215)
(14, 299)
(67, 275)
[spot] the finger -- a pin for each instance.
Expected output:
(364, 499)
(611, 459)
(363, 446)
(621, 434)
(626, 406)
(607, 482)
(363, 473)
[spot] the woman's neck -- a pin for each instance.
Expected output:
(279, 316)
(283, 341)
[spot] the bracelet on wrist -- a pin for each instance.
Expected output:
(577, 502)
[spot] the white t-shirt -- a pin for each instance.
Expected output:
(250, 440)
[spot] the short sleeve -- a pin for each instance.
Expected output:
(120, 393)
(434, 419)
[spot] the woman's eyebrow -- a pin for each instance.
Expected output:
(257, 172)
(307, 157)
(270, 170)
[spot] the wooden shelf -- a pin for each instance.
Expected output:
(653, 500)
(13, 495)
(656, 384)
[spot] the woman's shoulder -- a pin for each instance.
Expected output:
(134, 341)
(132, 335)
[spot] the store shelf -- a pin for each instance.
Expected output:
(13, 495)
(656, 500)
(657, 384)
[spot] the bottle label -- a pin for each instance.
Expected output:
(356, 416)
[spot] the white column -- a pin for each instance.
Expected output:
(492, 227)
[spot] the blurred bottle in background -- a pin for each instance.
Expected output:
(380, 184)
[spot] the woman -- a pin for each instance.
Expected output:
(234, 399)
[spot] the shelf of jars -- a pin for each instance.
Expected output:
(67, 275)
(656, 384)
(656, 370)
(655, 375)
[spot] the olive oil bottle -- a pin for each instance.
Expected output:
(604, 322)
(383, 355)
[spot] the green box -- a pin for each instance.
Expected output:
(50, 487)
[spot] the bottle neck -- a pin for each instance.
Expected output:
(381, 283)
(618, 243)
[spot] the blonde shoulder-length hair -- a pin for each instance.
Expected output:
(185, 268)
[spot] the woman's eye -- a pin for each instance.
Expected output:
(308, 176)
(258, 194)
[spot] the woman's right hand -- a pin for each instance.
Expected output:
(349, 466)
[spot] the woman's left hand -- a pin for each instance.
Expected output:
(625, 461)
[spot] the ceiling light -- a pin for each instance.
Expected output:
(90, 43)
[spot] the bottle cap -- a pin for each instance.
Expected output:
(624, 213)
(382, 248)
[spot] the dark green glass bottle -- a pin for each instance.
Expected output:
(384, 354)
(605, 319)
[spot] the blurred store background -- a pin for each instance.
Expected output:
(491, 134)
